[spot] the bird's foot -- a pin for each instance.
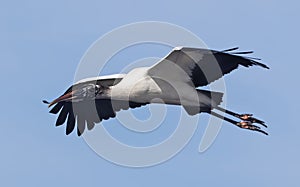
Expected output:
(249, 125)
(249, 118)
(245, 116)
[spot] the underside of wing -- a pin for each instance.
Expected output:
(89, 112)
(200, 66)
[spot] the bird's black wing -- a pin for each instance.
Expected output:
(200, 66)
(89, 112)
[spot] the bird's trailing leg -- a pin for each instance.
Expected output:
(245, 117)
(242, 124)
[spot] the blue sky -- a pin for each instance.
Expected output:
(43, 42)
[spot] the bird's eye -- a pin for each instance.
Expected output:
(97, 89)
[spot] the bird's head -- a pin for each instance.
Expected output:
(79, 93)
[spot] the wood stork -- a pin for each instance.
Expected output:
(173, 80)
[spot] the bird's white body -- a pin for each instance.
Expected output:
(139, 86)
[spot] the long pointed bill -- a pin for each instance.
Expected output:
(67, 96)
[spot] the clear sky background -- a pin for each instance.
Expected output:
(42, 43)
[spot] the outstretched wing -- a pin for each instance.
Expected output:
(199, 66)
(87, 113)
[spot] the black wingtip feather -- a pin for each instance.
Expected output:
(231, 49)
(80, 125)
(90, 125)
(70, 123)
(247, 61)
(78, 132)
(62, 116)
(260, 64)
(57, 108)
(253, 60)
(242, 53)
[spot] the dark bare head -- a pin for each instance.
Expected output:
(79, 93)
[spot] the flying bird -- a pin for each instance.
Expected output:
(173, 80)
